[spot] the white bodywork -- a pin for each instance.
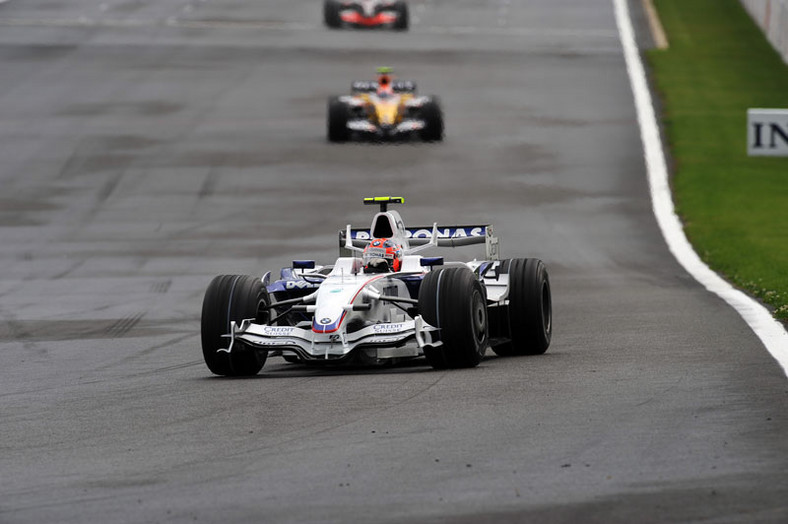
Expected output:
(369, 7)
(390, 333)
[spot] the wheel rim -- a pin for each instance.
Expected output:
(547, 310)
(478, 317)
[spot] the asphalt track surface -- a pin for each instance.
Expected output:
(149, 145)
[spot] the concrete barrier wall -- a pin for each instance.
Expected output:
(772, 16)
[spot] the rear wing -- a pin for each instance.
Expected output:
(398, 86)
(448, 236)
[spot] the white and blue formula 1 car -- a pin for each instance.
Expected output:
(381, 303)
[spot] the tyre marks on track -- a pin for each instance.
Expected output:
(131, 325)
(125, 362)
(123, 325)
(209, 184)
(161, 287)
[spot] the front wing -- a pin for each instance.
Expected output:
(406, 127)
(382, 341)
(355, 19)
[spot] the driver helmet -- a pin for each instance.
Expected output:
(382, 255)
(385, 82)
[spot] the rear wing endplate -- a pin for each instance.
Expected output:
(448, 236)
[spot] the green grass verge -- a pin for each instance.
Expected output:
(734, 207)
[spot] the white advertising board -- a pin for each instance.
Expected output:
(767, 132)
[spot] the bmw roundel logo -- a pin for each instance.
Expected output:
(325, 320)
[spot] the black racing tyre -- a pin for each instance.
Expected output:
(433, 121)
(228, 298)
(402, 16)
(337, 120)
(453, 300)
(530, 314)
(331, 13)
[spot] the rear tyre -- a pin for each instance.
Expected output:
(530, 314)
(453, 300)
(331, 14)
(402, 16)
(228, 298)
(337, 120)
(433, 121)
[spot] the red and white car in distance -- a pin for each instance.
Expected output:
(384, 14)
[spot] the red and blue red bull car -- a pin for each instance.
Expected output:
(385, 14)
(381, 301)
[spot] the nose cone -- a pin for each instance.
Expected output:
(327, 324)
(387, 113)
(329, 312)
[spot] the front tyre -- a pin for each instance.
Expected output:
(453, 300)
(433, 121)
(337, 120)
(228, 298)
(530, 315)
(331, 13)
(403, 19)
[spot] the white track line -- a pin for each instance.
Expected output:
(770, 331)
